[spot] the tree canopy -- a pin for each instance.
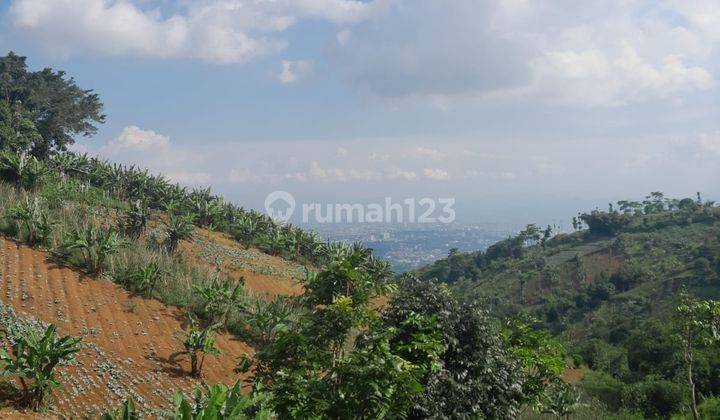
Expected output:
(42, 111)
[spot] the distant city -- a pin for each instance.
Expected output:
(409, 246)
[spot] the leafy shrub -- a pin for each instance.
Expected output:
(656, 397)
(220, 297)
(135, 219)
(710, 408)
(605, 388)
(20, 169)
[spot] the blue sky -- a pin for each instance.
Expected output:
(539, 106)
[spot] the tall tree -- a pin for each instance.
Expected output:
(59, 108)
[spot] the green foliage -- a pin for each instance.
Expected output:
(656, 397)
(178, 228)
(34, 356)
(220, 402)
(698, 324)
(220, 297)
(21, 169)
(542, 357)
(144, 279)
(479, 375)
(265, 320)
(96, 246)
(57, 107)
(17, 129)
(30, 217)
(126, 411)
(609, 292)
(199, 341)
(135, 219)
(710, 408)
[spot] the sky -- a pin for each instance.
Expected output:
(517, 109)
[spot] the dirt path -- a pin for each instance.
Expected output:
(127, 341)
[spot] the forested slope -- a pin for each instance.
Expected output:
(610, 291)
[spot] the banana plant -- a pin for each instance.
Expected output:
(21, 169)
(220, 297)
(126, 411)
(30, 216)
(220, 402)
(34, 356)
(135, 219)
(145, 278)
(198, 343)
(178, 228)
(96, 245)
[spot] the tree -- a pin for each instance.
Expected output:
(34, 358)
(59, 107)
(698, 324)
(17, 129)
(198, 343)
(542, 357)
(479, 377)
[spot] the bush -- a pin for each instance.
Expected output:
(656, 397)
(605, 388)
(710, 408)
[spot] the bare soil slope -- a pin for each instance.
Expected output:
(127, 341)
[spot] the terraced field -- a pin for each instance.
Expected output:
(127, 341)
(265, 275)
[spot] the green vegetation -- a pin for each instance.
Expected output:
(198, 342)
(331, 352)
(220, 402)
(34, 356)
(610, 292)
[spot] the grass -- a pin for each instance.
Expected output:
(84, 206)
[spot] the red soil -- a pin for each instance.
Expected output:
(127, 341)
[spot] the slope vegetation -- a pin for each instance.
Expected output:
(610, 292)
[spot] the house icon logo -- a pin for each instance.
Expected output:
(280, 205)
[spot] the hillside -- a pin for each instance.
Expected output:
(609, 291)
(128, 296)
(127, 340)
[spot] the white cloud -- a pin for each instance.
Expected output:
(221, 31)
(134, 139)
(436, 174)
(587, 54)
(292, 71)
